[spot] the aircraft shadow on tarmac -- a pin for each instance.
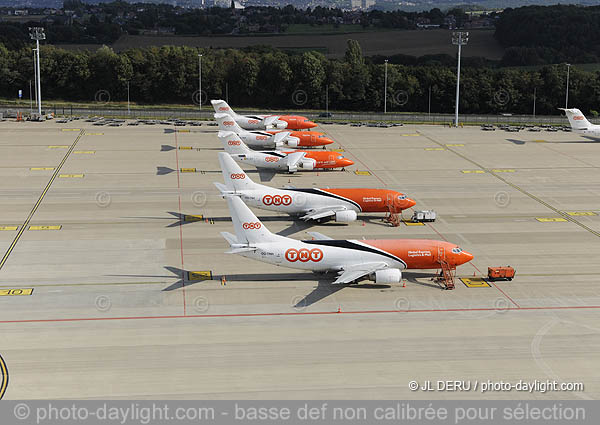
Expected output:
(323, 289)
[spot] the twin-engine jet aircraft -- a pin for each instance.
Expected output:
(281, 160)
(262, 139)
(263, 122)
(352, 260)
(342, 205)
(581, 125)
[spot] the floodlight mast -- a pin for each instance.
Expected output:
(459, 38)
(37, 34)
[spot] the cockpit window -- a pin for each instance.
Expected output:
(402, 197)
(456, 250)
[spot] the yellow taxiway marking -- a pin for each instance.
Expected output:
(411, 135)
(58, 227)
(435, 149)
(193, 217)
(185, 148)
(473, 171)
(71, 129)
(454, 144)
(15, 292)
(201, 275)
(475, 282)
(550, 219)
(503, 170)
(539, 141)
(362, 173)
(339, 150)
(94, 134)
(39, 201)
(183, 131)
(413, 223)
(9, 227)
(188, 170)
(41, 168)
(74, 176)
(85, 152)
(581, 213)
(58, 146)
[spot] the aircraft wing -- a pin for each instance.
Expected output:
(268, 121)
(294, 158)
(319, 236)
(351, 273)
(323, 212)
(280, 137)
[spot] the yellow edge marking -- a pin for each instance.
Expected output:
(185, 148)
(475, 282)
(90, 152)
(18, 291)
(188, 170)
(496, 170)
(454, 144)
(201, 275)
(193, 217)
(71, 129)
(42, 168)
(581, 213)
(339, 150)
(183, 131)
(473, 171)
(550, 219)
(58, 146)
(412, 223)
(39, 201)
(4, 374)
(45, 227)
(9, 227)
(362, 173)
(410, 135)
(94, 134)
(76, 176)
(435, 149)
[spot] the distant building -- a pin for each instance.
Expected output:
(361, 4)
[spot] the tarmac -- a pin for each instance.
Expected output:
(110, 278)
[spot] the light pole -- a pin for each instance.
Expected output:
(200, 81)
(567, 95)
(385, 90)
(534, 93)
(429, 103)
(459, 38)
(128, 109)
(37, 34)
(327, 99)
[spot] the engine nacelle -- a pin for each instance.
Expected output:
(345, 216)
(388, 276)
(279, 125)
(292, 142)
(308, 164)
(292, 168)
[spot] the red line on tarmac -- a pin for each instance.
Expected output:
(180, 224)
(306, 313)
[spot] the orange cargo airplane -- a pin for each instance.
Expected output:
(263, 122)
(309, 138)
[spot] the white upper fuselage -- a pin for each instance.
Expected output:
(259, 122)
(592, 131)
(263, 140)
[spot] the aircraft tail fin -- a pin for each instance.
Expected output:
(235, 178)
(232, 143)
(248, 228)
(577, 120)
(227, 123)
(221, 107)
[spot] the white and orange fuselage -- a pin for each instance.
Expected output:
(308, 139)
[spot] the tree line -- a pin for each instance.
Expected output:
(269, 78)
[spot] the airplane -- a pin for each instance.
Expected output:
(341, 205)
(581, 125)
(380, 260)
(281, 160)
(263, 122)
(258, 139)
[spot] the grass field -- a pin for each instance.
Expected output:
(329, 29)
(385, 43)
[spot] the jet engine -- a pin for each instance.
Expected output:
(307, 164)
(292, 142)
(388, 276)
(345, 216)
(279, 125)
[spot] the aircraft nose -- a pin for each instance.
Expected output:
(326, 141)
(411, 203)
(346, 162)
(309, 124)
(467, 256)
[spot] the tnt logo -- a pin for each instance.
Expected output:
(261, 137)
(238, 176)
(223, 108)
(234, 143)
(255, 225)
(228, 123)
(271, 159)
(253, 121)
(578, 118)
(277, 200)
(304, 255)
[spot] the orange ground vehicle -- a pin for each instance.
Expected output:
(501, 273)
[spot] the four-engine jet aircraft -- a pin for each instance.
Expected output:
(281, 160)
(261, 139)
(263, 122)
(380, 260)
(341, 205)
(581, 125)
